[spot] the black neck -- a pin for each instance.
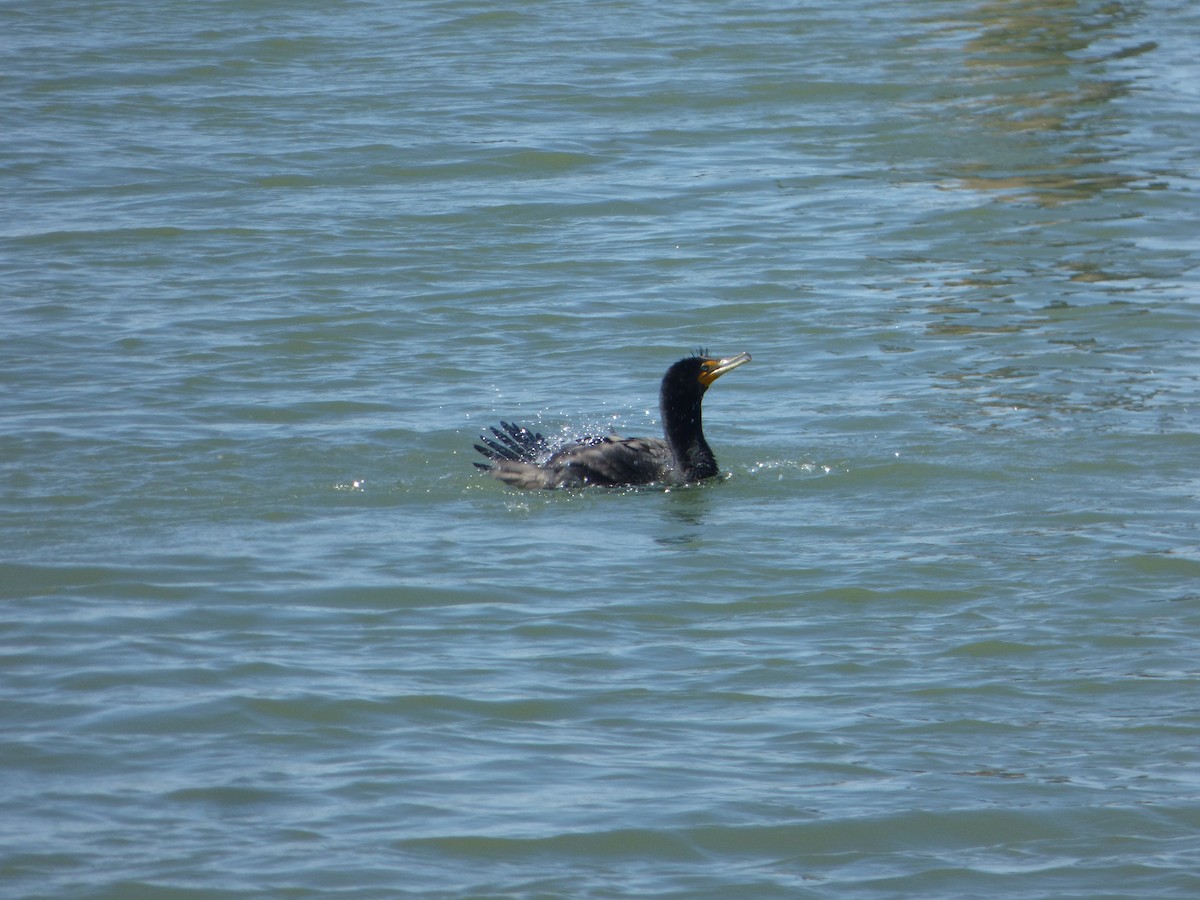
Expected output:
(684, 431)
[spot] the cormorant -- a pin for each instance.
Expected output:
(523, 459)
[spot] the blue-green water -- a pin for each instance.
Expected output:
(268, 268)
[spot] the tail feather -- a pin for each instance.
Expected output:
(514, 443)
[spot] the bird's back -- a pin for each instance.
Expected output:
(523, 459)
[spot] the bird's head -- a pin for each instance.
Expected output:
(694, 374)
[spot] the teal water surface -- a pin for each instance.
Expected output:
(268, 269)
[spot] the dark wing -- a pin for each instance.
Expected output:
(513, 442)
(614, 461)
(609, 461)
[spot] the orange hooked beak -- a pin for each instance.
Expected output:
(715, 368)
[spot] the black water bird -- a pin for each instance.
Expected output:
(523, 459)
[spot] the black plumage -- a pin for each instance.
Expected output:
(525, 459)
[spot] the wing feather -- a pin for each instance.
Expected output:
(522, 458)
